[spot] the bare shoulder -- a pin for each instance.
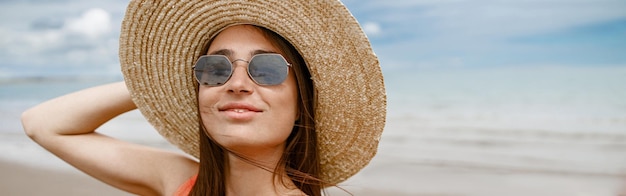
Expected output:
(160, 171)
(177, 170)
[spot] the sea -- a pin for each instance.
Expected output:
(549, 130)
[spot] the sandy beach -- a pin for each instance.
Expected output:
(24, 180)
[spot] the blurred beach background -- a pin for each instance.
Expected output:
(485, 97)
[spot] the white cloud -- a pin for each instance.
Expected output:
(372, 28)
(93, 23)
(60, 36)
(79, 40)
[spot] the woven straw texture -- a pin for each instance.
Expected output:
(161, 40)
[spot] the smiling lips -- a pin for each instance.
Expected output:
(239, 107)
(239, 111)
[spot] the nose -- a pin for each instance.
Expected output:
(240, 82)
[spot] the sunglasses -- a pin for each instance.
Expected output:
(263, 69)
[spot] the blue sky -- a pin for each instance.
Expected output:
(65, 37)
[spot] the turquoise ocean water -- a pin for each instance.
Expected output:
(544, 98)
(17, 95)
(566, 99)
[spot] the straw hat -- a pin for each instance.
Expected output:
(161, 40)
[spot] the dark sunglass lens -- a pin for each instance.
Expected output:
(213, 70)
(268, 69)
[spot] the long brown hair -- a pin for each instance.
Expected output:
(300, 160)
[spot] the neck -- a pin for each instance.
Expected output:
(255, 176)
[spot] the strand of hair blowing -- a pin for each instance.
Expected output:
(212, 172)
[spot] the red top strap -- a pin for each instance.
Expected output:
(185, 188)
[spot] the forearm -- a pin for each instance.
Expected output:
(79, 112)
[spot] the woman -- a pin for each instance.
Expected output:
(273, 98)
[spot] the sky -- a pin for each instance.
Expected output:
(70, 37)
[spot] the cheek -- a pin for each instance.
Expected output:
(291, 99)
(203, 99)
(206, 107)
(206, 103)
(285, 110)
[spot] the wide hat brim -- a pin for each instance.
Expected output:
(161, 40)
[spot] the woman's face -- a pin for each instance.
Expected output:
(240, 114)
